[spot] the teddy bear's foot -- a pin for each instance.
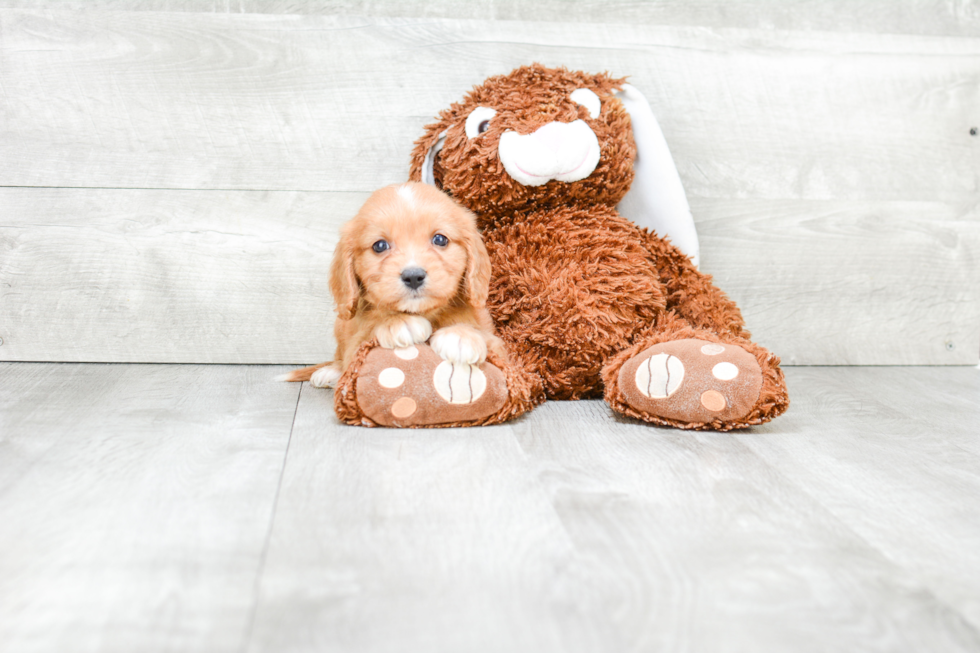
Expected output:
(694, 383)
(412, 386)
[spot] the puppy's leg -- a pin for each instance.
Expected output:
(303, 374)
(460, 343)
(402, 331)
(326, 377)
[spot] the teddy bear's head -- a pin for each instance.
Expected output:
(536, 137)
(542, 137)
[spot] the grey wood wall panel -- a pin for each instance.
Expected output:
(168, 276)
(572, 530)
(932, 17)
(832, 175)
(847, 282)
(192, 100)
(241, 277)
(136, 503)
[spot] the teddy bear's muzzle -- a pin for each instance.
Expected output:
(566, 151)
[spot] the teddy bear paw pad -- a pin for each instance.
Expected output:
(692, 381)
(413, 386)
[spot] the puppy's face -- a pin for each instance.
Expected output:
(410, 249)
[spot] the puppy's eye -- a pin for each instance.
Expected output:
(587, 99)
(381, 246)
(439, 240)
(479, 121)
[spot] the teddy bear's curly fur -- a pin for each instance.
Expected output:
(578, 291)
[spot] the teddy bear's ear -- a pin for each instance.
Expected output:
(429, 162)
(423, 167)
(656, 199)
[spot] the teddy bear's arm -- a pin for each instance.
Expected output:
(690, 293)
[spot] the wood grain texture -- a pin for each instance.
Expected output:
(196, 100)
(926, 17)
(832, 174)
(408, 540)
(240, 277)
(168, 276)
(905, 458)
(848, 524)
(847, 282)
(135, 502)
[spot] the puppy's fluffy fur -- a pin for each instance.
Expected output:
(373, 298)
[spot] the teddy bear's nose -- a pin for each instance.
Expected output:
(552, 136)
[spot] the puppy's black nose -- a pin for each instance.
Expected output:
(413, 277)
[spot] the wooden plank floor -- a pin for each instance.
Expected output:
(207, 508)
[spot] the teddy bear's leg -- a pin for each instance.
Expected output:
(695, 379)
(690, 293)
(413, 386)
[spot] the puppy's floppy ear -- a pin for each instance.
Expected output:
(344, 284)
(476, 279)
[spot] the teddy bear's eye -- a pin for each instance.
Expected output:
(479, 121)
(587, 99)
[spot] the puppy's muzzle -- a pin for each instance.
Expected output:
(413, 277)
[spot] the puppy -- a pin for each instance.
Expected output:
(410, 265)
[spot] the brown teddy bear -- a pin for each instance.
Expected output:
(589, 303)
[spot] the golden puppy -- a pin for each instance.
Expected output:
(410, 265)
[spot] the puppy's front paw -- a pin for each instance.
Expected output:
(403, 331)
(460, 343)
